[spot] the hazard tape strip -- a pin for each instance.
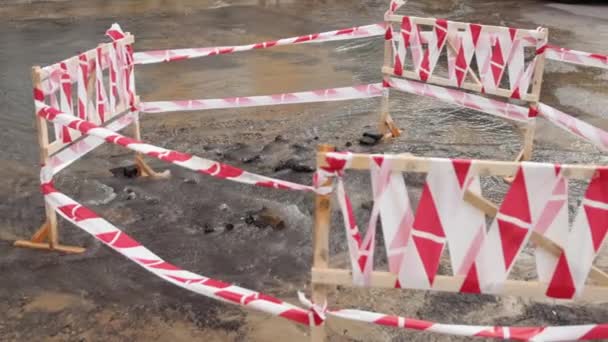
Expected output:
(159, 56)
(321, 95)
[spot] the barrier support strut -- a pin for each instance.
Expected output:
(528, 144)
(387, 126)
(143, 169)
(320, 247)
(47, 236)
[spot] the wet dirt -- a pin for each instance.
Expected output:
(199, 223)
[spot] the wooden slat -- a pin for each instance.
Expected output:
(490, 209)
(529, 289)
(384, 106)
(50, 226)
(537, 81)
(47, 246)
(521, 33)
(442, 81)
(482, 167)
(320, 258)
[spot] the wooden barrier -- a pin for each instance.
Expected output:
(46, 81)
(472, 79)
(321, 275)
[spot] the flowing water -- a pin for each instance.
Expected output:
(111, 298)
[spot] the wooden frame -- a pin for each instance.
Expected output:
(322, 276)
(386, 124)
(320, 241)
(47, 236)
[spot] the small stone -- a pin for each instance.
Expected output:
(367, 205)
(152, 200)
(267, 218)
(279, 138)
(130, 171)
(375, 136)
(131, 196)
(224, 207)
(367, 141)
(251, 159)
(208, 229)
(348, 144)
(294, 165)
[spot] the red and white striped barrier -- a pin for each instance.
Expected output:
(194, 163)
(572, 125)
(322, 95)
(483, 258)
(158, 56)
(498, 108)
(497, 51)
(576, 57)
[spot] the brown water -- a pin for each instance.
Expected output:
(100, 296)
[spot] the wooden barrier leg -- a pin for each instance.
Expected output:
(321, 248)
(526, 152)
(387, 126)
(143, 169)
(48, 231)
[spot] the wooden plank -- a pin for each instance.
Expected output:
(320, 247)
(520, 288)
(142, 167)
(47, 246)
(537, 82)
(521, 33)
(408, 163)
(43, 142)
(41, 124)
(56, 146)
(444, 82)
(42, 233)
(384, 106)
(491, 209)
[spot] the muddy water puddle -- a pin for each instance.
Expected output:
(200, 223)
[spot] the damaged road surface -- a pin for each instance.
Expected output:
(257, 238)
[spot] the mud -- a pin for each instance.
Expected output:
(200, 223)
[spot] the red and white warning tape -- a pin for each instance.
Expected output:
(572, 125)
(110, 235)
(483, 104)
(322, 95)
(197, 164)
(576, 57)
(158, 56)
(118, 240)
(557, 333)
(79, 148)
